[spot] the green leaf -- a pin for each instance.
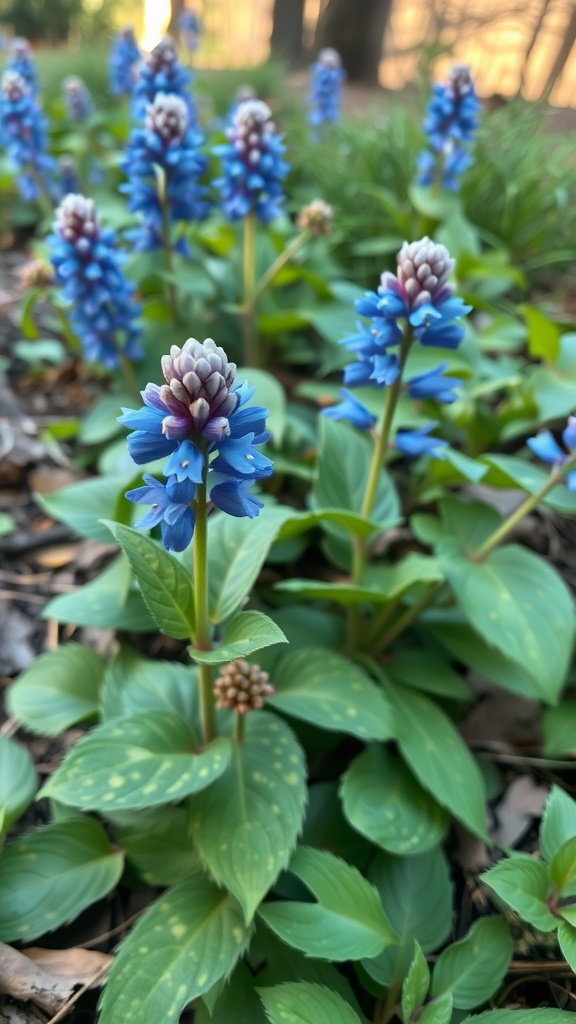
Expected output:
(428, 672)
(246, 824)
(416, 894)
(343, 468)
(27, 322)
(106, 603)
(322, 687)
(439, 1011)
(232, 999)
(58, 690)
(383, 801)
(304, 1003)
(567, 943)
(523, 882)
(182, 946)
(243, 634)
(18, 781)
(468, 647)
(438, 756)
(416, 984)
(237, 549)
(473, 968)
(140, 761)
(558, 822)
(559, 729)
(469, 522)
(134, 684)
(158, 845)
(347, 922)
(271, 394)
(563, 865)
(81, 506)
(101, 422)
(520, 605)
(544, 1016)
(543, 335)
(165, 585)
(509, 469)
(49, 876)
(393, 580)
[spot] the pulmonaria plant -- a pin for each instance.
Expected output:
(20, 61)
(125, 57)
(252, 164)
(242, 687)
(327, 77)
(87, 262)
(450, 123)
(164, 165)
(77, 99)
(67, 176)
(415, 305)
(161, 71)
(546, 447)
(24, 136)
(198, 420)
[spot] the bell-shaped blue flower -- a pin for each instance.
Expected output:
(413, 443)
(23, 133)
(327, 77)
(546, 447)
(351, 409)
(433, 384)
(451, 121)
(125, 58)
(252, 165)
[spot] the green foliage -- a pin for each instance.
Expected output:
(18, 782)
(59, 689)
(306, 1003)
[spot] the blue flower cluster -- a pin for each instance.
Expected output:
(421, 299)
(166, 143)
(124, 60)
(67, 176)
(252, 164)
(546, 447)
(326, 89)
(21, 61)
(88, 265)
(199, 420)
(189, 28)
(161, 71)
(77, 99)
(23, 131)
(451, 121)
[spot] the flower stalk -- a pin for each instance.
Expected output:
(202, 635)
(251, 346)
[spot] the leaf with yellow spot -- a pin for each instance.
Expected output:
(305, 1003)
(141, 761)
(48, 877)
(193, 936)
(246, 825)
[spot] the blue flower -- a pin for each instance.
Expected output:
(103, 312)
(189, 28)
(124, 60)
(23, 131)
(161, 71)
(67, 176)
(433, 384)
(20, 61)
(325, 89)
(451, 120)
(418, 442)
(166, 142)
(546, 447)
(252, 165)
(352, 410)
(199, 421)
(77, 99)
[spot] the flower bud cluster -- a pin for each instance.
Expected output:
(20, 60)
(242, 687)
(316, 218)
(198, 421)
(167, 142)
(417, 304)
(252, 165)
(23, 132)
(451, 121)
(326, 88)
(125, 58)
(162, 72)
(87, 262)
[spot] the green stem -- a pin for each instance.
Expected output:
(239, 728)
(276, 267)
(251, 348)
(171, 292)
(202, 636)
(43, 198)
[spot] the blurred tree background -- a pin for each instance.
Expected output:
(56, 21)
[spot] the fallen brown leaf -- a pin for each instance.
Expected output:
(78, 965)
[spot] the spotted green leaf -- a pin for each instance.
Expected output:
(49, 876)
(140, 761)
(246, 824)
(385, 803)
(18, 781)
(181, 946)
(301, 1002)
(322, 687)
(520, 1016)
(472, 969)
(165, 585)
(347, 922)
(58, 690)
(243, 634)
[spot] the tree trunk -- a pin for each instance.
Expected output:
(563, 54)
(532, 43)
(287, 30)
(176, 8)
(356, 29)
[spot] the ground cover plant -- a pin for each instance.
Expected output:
(320, 441)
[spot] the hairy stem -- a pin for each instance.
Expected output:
(202, 636)
(251, 346)
(171, 292)
(275, 268)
